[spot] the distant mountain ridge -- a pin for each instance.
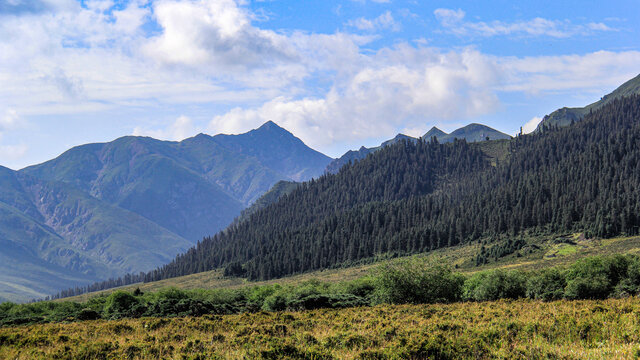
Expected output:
(129, 205)
(565, 116)
(471, 133)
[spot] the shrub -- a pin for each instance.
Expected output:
(364, 287)
(329, 301)
(415, 281)
(275, 302)
(494, 285)
(88, 314)
(629, 286)
(546, 285)
(594, 277)
(122, 304)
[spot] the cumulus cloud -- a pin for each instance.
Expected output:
(216, 33)
(588, 72)
(408, 88)
(381, 97)
(180, 129)
(383, 22)
(531, 125)
(17, 7)
(453, 21)
(64, 58)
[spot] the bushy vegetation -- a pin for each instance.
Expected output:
(411, 281)
(417, 282)
(513, 329)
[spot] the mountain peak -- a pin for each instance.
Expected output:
(434, 131)
(271, 126)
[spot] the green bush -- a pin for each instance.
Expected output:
(326, 301)
(494, 285)
(415, 281)
(546, 285)
(592, 278)
(275, 302)
(122, 304)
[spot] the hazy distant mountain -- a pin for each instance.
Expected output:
(439, 134)
(471, 133)
(100, 210)
(53, 235)
(279, 150)
(564, 116)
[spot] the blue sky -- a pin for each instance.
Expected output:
(338, 74)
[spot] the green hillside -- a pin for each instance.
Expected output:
(565, 116)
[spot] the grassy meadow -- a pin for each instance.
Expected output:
(320, 315)
(521, 329)
(543, 253)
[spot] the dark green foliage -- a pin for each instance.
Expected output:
(122, 304)
(494, 285)
(417, 282)
(546, 285)
(595, 277)
(235, 269)
(499, 250)
(88, 314)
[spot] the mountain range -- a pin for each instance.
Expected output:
(470, 133)
(415, 197)
(102, 210)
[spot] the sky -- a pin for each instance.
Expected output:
(337, 74)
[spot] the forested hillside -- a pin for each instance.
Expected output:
(469, 133)
(564, 116)
(411, 198)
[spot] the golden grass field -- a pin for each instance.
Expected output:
(522, 329)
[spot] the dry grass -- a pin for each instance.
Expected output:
(520, 329)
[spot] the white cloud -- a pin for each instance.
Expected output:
(216, 33)
(531, 125)
(180, 129)
(407, 87)
(384, 21)
(590, 72)
(326, 87)
(453, 21)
